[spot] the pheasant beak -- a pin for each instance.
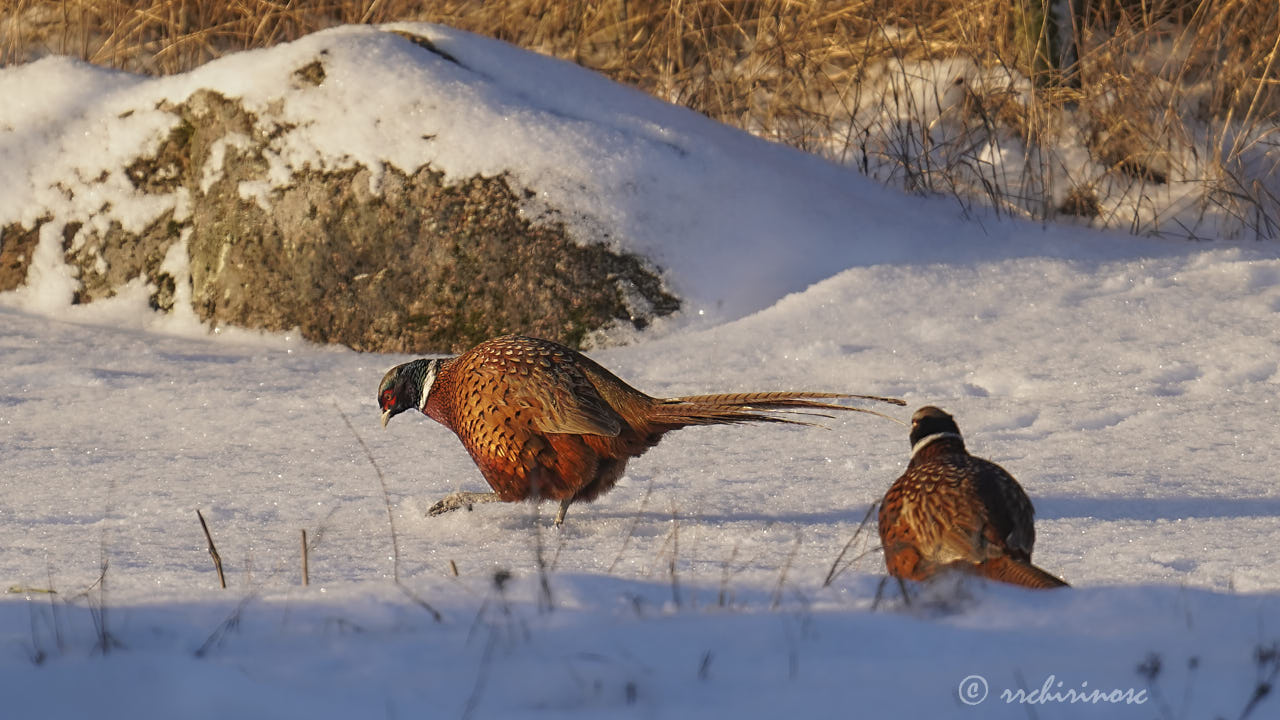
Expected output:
(386, 416)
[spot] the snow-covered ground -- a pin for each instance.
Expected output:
(1130, 384)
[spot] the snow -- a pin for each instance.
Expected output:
(1129, 383)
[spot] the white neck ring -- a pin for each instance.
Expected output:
(427, 382)
(920, 445)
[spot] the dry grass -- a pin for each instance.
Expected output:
(1174, 102)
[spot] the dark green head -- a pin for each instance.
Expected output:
(407, 386)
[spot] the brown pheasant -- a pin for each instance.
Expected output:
(951, 510)
(544, 422)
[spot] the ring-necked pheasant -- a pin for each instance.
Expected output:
(544, 422)
(951, 510)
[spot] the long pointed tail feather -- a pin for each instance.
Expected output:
(728, 408)
(1012, 571)
(783, 398)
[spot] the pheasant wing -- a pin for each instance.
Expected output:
(542, 384)
(1010, 514)
(571, 404)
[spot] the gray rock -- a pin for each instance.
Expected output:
(418, 266)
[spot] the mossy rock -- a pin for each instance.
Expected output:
(419, 265)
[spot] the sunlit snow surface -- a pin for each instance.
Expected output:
(1131, 385)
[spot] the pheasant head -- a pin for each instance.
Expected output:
(407, 386)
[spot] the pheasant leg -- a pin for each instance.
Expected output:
(461, 499)
(564, 508)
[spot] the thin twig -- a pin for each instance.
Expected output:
(545, 601)
(635, 522)
(213, 550)
(230, 624)
(723, 598)
(306, 573)
(782, 575)
(675, 552)
(391, 523)
(98, 611)
(835, 566)
(386, 496)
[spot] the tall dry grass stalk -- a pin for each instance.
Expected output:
(1174, 103)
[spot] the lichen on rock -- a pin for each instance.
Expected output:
(419, 265)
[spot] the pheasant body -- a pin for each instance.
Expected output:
(951, 510)
(545, 422)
